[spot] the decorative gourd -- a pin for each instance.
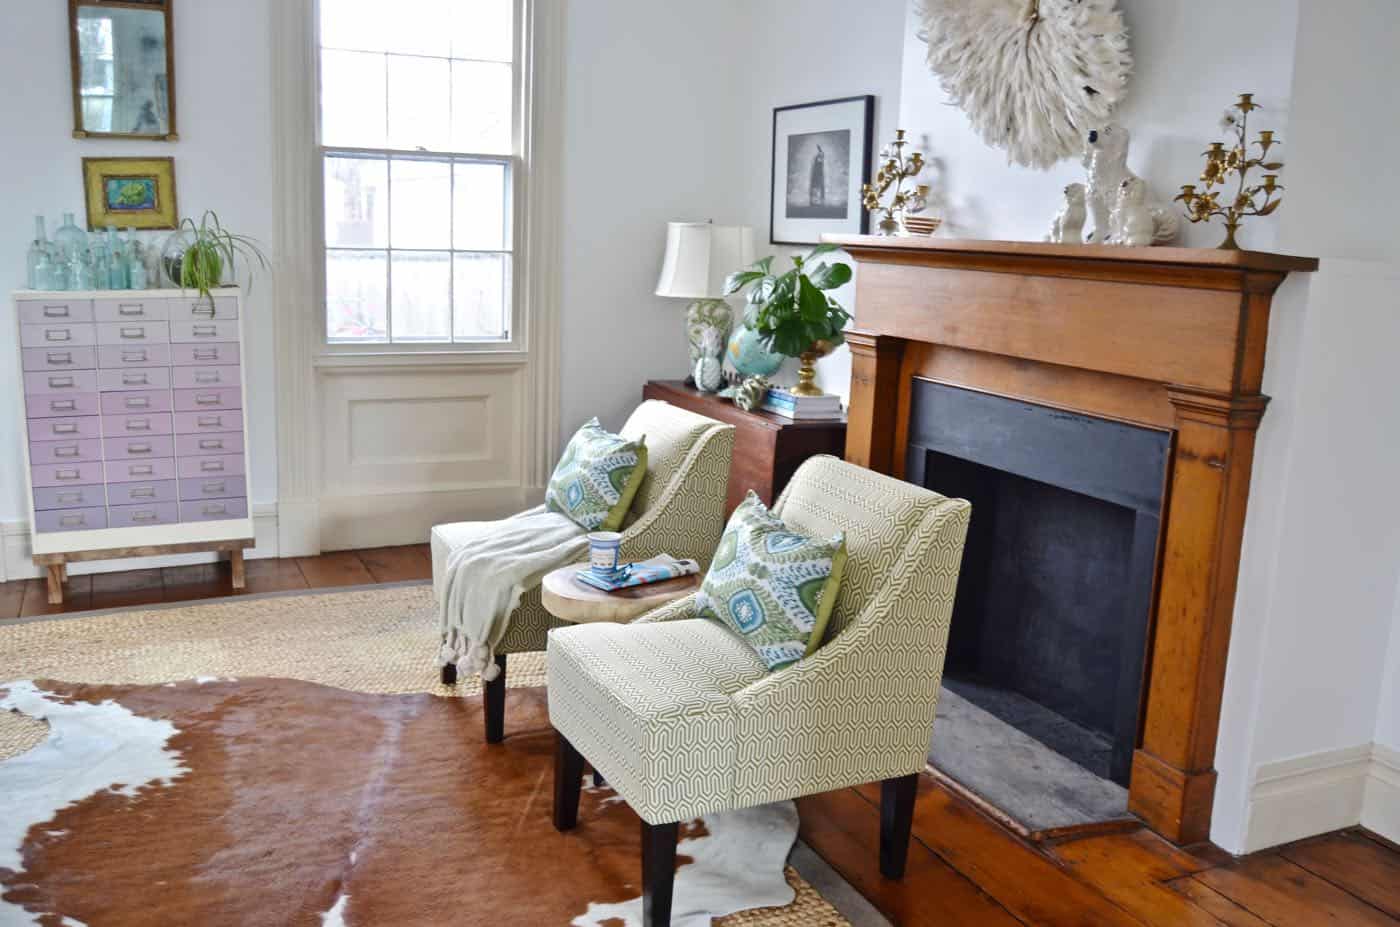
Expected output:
(750, 393)
(709, 370)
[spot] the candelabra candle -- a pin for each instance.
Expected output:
(1223, 163)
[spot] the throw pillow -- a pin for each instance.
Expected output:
(772, 585)
(597, 477)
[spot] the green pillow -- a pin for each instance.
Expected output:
(774, 587)
(597, 477)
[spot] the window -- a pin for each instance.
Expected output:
(419, 118)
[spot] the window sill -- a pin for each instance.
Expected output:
(505, 354)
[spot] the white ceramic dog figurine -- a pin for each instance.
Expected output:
(1106, 160)
(1068, 227)
(1132, 218)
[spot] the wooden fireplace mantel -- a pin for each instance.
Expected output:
(1167, 338)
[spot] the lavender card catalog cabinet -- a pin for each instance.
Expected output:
(137, 440)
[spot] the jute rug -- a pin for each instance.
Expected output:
(305, 768)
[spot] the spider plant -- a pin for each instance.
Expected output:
(211, 250)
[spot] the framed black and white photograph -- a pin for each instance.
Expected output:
(821, 157)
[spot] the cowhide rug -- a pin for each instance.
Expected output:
(273, 801)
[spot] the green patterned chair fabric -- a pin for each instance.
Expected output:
(678, 509)
(680, 715)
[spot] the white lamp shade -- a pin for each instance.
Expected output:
(699, 255)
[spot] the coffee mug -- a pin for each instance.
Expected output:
(603, 550)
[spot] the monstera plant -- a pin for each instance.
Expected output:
(793, 312)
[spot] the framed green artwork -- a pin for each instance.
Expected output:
(130, 193)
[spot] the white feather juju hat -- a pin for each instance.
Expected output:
(1032, 75)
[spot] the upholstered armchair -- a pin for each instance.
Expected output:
(683, 719)
(678, 510)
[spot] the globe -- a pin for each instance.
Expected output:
(749, 356)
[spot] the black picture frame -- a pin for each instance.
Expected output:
(854, 115)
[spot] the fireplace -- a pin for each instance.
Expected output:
(1055, 596)
(1164, 347)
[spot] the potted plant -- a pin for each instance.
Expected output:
(197, 255)
(792, 312)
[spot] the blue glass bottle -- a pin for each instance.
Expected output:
(71, 240)
(36, 260)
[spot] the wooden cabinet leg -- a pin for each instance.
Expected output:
(235, 559)
(56, 573)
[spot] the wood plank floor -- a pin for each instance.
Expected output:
(965, 870)
(27, 598)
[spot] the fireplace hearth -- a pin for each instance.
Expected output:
(1165, 344)
(1050, 624)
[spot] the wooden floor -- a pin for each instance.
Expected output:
(965, 870)
(27, 598)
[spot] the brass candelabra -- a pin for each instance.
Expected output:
(894, 169)
(1223, 163)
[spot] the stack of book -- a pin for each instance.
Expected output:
(801, 408)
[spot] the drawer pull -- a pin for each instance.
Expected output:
(63, 405)
(72, 519)
(141, 470)
(208, 399)
(138, 402)
(134, 357)
(207, 376)
(143, 515)
(210, 421)
(143, 492)
(211, 444)
(67, 474)
(206, 353)
(65, 428)
(136, 379)
(215, 508)
(68, 498)
(131, 309)
(60, 357)
(56, 312)
(134, 334)
(138, 448)
(60, 382)
(211, 466)
(57, 334)
(213, 486)
(201, 309)
(205, 331)
(138, 424)
(67, 450)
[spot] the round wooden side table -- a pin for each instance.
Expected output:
(568, 599)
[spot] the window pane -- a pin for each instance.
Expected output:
(481, 107)
(479, 200)
(421, 210)
(356, 282)
(419, 104)
(481, 292)
(352, 99)
(355, 24)
(419, 27)
(422, 296)
(483, 30)
(357, 203)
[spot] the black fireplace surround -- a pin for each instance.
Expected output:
(1051, 618)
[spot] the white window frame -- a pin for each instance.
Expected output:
(334, 352)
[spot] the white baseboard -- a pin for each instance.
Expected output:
(18, 562)
(1381, 813)
(298, 528)
(350, 522)
(1322, 792)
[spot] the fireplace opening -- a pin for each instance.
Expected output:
(1054, 601)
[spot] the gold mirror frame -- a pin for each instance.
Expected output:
(164, 7)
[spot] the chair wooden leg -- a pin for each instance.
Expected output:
(598, 780)
(896, 820)
(658, 872)
(568, 781)
(493, 701)
(449, 674)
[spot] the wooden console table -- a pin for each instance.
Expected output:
(768, 448)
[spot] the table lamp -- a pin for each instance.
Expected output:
(699, 255)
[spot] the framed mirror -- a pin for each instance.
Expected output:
(123, 69)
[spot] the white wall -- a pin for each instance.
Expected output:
(223, 162)
(650, 91)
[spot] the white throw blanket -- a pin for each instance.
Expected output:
(487, 573)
